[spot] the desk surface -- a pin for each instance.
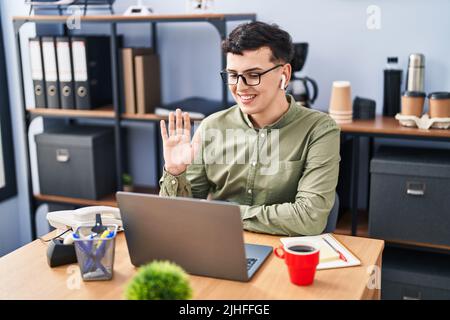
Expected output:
(389, 126)
(24, 274)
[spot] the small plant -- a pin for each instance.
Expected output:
(159, 280)
(127, 179)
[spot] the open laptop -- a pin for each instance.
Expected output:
(203, 237)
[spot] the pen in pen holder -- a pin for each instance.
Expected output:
(95, 252)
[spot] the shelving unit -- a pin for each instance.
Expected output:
(114, 112)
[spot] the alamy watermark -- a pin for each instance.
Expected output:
(74, 279)
(73, 21)
(373, 21)
(374, 282)
(260, 149)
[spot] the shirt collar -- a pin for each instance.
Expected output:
(285, 119)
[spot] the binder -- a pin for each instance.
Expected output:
(37, 72)
(92, 71)
(147, 80)
(64, 58)
(128, 65)
(51, 72)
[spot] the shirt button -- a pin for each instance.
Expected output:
(250, 191)
(262, 135)
(254, 163)
(174, 182)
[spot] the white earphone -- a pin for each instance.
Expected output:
(283, 82)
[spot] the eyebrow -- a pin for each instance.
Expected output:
(248, 70)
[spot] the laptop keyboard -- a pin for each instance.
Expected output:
(250, 262)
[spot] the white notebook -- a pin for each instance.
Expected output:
(329, 259)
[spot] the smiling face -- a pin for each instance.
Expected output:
(265, 98)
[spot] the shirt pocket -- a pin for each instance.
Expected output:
(283, 185)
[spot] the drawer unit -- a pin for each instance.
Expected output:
(414, 275)
(410, 195)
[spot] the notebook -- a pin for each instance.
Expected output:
(329, 259)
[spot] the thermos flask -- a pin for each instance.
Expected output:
(416, 73)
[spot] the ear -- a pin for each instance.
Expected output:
(286, 76)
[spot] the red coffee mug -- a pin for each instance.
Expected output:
(302, 259)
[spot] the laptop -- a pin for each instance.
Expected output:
(204, 237)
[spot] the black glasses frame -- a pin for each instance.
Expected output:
(224, 75)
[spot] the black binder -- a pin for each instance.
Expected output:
(65, 74)
(92, 71)
(51, 72)
(37, 72)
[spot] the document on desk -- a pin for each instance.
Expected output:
(329, 259)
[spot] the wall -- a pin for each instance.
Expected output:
(341, 48)
(14, 213)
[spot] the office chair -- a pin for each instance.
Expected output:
(333, 217)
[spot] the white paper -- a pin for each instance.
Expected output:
(79, 61)
(48, 51)
(64, 68)
(37, 72)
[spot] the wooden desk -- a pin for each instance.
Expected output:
(388, 126)
(24, 274)
(380, 127)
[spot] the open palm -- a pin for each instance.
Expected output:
(179, 151)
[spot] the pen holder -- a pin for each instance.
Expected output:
(95, 252)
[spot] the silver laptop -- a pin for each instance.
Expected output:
(203, 237)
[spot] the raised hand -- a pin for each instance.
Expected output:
(179, 151)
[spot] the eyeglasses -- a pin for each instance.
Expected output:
(250, 78)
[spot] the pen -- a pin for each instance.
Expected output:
(341, 256)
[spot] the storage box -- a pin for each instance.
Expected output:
(414, 275)
(410, 195)
(77, 161)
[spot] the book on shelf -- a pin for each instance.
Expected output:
(37, 72)
(141, 80)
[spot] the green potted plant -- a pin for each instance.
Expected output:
(159, 280)
(127, 181)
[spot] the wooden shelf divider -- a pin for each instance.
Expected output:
(109, 200)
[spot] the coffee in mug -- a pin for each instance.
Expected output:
(302, 248)
(301, 259)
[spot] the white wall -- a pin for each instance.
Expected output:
(341, 48)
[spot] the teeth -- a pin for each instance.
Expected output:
(247, 97)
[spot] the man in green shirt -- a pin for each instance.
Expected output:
(278, 160)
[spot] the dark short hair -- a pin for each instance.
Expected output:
(255, 35)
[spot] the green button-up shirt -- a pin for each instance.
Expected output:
(283, 176)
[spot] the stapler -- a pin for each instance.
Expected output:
(60, 253)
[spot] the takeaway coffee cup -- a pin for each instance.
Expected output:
(340, 108)
(301, 259)
(439, 104)
(341, 97)
(412, 103)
